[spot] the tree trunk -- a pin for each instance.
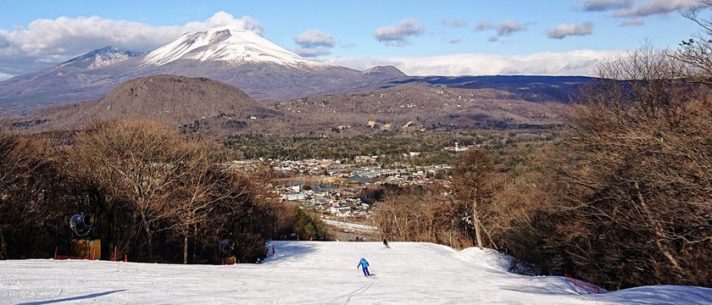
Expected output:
(113, 237)
(659, 231)
(476, 222)
(149, 243)
(3, 249)
(185, 249)
(399, 232)
(195, 245)
(449, 233)
(149, 236)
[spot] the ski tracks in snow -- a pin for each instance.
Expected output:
(352, 294)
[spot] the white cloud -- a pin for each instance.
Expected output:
(605, 5)
(4, 41)
(634, 12)
(312, 52)
(398, 34)
(504, 28)
(45, 42)
(580, 62)
(657, 7)
(222, 18)
(509, 27)
(314, 43)
(637, 21)
(315, 38)
(562, 31)
(4, 76)
(455, 23)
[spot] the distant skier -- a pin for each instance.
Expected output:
(363, 263)
(385, 243)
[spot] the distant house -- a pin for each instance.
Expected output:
(296, 197)
(340, 211)
(366, 159)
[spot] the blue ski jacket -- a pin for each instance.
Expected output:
(363, 263)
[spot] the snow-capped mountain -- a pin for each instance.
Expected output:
(227, 44)
(100, 58)
(237, 57)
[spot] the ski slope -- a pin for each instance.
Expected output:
(315, 273)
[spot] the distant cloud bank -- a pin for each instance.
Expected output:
(581, 62)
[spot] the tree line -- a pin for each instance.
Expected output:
(156, 195)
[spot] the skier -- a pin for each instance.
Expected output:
(363, 263)
(385, 243)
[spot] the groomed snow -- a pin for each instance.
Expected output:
(315, 273)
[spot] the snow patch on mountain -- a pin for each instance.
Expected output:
(100, 58)
(227, 44)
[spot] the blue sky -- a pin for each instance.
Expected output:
(419, 30)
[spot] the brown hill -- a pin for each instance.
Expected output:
(416, 106)
(206, 106)
(175, 100)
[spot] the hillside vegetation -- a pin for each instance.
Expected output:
(156, 196)
(621, 198)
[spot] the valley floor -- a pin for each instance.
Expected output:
(316, 273)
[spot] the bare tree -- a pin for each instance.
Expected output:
(423, 214)
(473, 177)
(632, 184)
(142, 162)
(34, 192)
(197, 194)
(696, 52)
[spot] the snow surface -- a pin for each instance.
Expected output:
(225, 44)
(316, 273)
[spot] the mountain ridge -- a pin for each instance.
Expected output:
(100, 57)
(216, 108)
(174, 100)
(242, 59)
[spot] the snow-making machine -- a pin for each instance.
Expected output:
(81, 225)
(83, 246)
(227, 252)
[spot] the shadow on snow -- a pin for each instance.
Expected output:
(290, 250)
(76, 298)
